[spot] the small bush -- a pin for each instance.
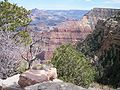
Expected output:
(22, 67)
(72, 66)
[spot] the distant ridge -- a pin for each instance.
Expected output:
(50, 18)
(96, 14)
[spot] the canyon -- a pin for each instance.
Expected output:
(95, 33)
(63, 49)
(69, 30)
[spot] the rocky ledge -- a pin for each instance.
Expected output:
(44, 78)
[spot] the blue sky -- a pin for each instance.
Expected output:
(67, 4)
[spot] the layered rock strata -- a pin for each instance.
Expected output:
(72, 31)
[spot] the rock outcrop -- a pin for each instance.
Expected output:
(32, 77)
(103, 45)
(96, 14)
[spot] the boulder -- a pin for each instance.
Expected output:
(32, 77)
(51, 85)
(11, 81)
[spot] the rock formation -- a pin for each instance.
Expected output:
(72, 31)
(98, 14)
(32, 77)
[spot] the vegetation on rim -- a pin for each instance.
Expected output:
(72, 66)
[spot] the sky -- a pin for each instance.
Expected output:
(67, 4)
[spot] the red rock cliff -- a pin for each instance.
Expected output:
(73, 31)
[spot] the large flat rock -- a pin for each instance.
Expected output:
(54, 86)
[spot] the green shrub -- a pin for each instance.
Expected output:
(72, 66)
(22, 67)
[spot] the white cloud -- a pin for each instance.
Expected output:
(112, 1)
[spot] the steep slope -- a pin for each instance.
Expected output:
(103, 45)
(98, 14)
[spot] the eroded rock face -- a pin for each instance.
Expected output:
(103, 45)
(67, 32)
(72, 31)
(98, 14)
(104, 37)
(32, 77)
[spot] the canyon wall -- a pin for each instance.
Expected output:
(98, 14)
(73, 31)
(102, 47)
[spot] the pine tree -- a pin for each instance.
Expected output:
(73, 66)
(12, 18)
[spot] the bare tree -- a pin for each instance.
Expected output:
(34, 50)
(9, 55)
